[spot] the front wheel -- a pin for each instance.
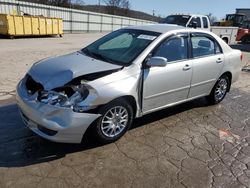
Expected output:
(219, 90)
(117, 117)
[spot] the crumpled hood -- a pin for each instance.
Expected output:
(57, 71)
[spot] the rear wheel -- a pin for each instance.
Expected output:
(117, 117)
(219, 90)
(225, 40)
(245, 39)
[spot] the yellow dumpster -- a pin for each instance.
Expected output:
(15, 25)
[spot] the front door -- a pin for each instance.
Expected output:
(169, 84)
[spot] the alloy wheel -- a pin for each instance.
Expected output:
(114, 121)
(221, 89)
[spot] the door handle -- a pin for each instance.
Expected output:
(219, 60)
(186, 67)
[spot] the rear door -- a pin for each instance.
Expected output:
(208, 61)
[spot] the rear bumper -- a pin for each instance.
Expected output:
(57, 124)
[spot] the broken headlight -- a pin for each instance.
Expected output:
(67, 96)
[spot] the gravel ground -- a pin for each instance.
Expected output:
(190, 145)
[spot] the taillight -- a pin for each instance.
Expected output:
(246, 31)
(241, 56)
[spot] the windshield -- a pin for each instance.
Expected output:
(120, 47)
(237, 19)
(177, 19)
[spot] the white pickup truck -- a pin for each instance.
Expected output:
(228, 34)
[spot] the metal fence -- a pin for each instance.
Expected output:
(73, 20)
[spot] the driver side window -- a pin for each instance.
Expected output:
(173, 49)
(195, 20)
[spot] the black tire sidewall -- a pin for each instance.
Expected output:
(245, 39)
(103, 110)
(225, 40)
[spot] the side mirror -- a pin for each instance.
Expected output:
(157, 62)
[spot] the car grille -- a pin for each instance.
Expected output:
(32, 86)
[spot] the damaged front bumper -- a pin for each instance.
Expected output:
(57, 124)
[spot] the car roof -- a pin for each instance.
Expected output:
(194, 15)
(171, 28)
(160, 28)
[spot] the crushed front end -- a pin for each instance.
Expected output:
(59, 115)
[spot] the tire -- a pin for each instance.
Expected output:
(245, 39)
(219, 90)
(225, 40)
(110, 128)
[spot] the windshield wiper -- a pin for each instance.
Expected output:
(102, 57)
(93, 54)
(88, 53)
(99, 56)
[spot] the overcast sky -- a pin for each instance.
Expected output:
(218, 8)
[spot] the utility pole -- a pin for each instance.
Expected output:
(99, 5)
(153, 12)
(70, 4)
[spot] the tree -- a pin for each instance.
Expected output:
(64, 3)
(212, 18)
(115, 5)
(125, 4)
(61, 3)
(79, 2)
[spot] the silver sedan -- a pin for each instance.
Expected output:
(124, 75)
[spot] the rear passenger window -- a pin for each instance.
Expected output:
(204, 46)
(173, 49)
(217, 48)
(205, 22)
